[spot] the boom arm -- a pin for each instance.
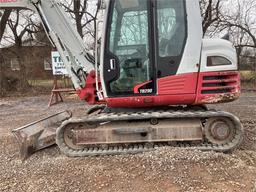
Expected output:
(62, 34)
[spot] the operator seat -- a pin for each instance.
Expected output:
(133, 72)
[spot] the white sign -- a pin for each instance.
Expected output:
(58, 67)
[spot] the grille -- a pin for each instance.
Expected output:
(219, 83)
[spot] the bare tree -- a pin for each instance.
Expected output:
(235, 17)
(242, 20)
(3, 22)
(211, 13)
(4, 19)
(77, 10)
(20, 26)
(22, 29)
(83, 17)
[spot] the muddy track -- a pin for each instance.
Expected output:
(148, 115)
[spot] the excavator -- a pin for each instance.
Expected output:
(148, 85)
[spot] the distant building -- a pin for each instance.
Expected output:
(33, 56)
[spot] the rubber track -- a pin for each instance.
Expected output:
(138, 148)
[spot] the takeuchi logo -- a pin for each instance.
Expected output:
(8, 1)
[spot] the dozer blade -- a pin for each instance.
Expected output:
(39, 134)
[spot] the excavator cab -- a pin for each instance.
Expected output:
(143, 36)
(146, 41)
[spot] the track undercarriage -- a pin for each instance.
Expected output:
(110, 133)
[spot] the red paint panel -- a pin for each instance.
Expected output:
(185, 89)
(88, 93)
(137, 87)
(173, 90)
(179, 84)
(148, 101)
(218, 87)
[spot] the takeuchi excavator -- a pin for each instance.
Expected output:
(150, 86)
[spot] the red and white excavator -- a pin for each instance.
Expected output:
(150, 87)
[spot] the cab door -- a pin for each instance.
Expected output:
(128, 56)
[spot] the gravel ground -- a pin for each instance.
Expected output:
(166, 169)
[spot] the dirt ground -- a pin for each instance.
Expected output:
(166, 169)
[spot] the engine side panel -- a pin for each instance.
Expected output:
(218, 87)
(219, 79)
(178, 84)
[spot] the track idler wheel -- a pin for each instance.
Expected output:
(68, 136)
(219, 130)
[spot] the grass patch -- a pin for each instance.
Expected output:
(48, 83)
(248, 76)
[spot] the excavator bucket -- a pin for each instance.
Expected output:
(39, 134)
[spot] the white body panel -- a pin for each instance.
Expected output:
(65, 30)
(67, 40)
(192, 51)
(102, 49)
(218, 47)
